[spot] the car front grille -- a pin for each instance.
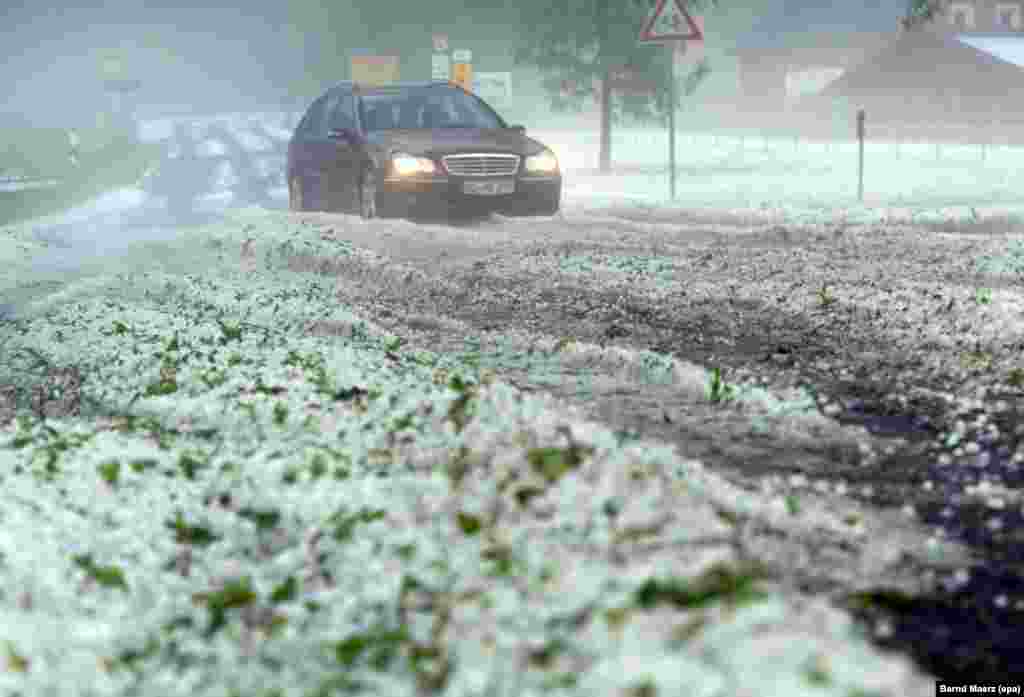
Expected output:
(481, 164)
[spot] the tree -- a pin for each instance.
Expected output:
(921, 13)
(572, 43)
(575, 42)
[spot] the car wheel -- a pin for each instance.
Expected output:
(295, 202)
(368, 195)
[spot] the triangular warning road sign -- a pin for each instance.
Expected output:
(670, 21)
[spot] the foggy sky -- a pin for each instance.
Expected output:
(186, 56)
(192, 55)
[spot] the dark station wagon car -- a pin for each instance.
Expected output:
(406, 148)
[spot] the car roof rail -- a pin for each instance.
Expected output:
(398, 85)
(356, 87)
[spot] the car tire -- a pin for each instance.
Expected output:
(368, 195)
(296, 200)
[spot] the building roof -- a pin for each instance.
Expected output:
(797, 22)
(918, 63)
(1009, 49)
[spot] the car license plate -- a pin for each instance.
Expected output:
(489, 188)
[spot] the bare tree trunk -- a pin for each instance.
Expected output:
(606, 92)
(606, 124)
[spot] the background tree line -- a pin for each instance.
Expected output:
(563, 40)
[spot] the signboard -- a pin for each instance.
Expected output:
(440, 42)
(625, 79)
(371, 69)
(689, 52)
(462, 75)
(440, 67)
(462, 70)
(670, 22)
(493, 85)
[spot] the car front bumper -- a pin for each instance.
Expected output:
(533, 195)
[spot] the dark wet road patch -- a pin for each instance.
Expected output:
(969, 628)
(964, 484)
(932, 456)
(877, 422)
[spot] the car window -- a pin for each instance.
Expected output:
(434, 109)
(339, 113)
(383, 112)
(454, 110)
(308, 125)
(461, 110)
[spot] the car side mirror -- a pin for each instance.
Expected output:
(346, 134)
(517, 127)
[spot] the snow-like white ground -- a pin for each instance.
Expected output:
(70, 619)
(752, 179)
(803, 178)
(795, 644)
(764, 179)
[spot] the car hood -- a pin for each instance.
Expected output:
(449, 140)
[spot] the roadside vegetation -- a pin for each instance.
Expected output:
(109, 158)
(284, 500)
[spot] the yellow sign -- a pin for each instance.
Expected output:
(112, 63)
(462, 75)
(374, 70)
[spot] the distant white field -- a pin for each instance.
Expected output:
(755, 170)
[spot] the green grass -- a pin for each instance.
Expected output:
(34, 151)
(189, 451)
(108, 160)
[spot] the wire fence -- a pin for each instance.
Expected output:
(756, 143)
(647, 146)
(776, 164)
(26, 183)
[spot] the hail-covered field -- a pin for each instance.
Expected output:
(250, 481)
(250, 503)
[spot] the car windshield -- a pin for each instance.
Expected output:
(437, 108)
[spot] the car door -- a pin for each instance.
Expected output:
(302, 153)
(337, 153)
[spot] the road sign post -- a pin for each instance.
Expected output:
(440, 67)
(860, 161)
(670, 23)
(440, 61)
(672, 121)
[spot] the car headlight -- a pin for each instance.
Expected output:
(543, 162)
(404, 164)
